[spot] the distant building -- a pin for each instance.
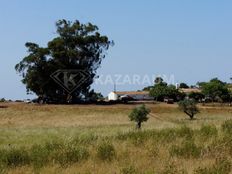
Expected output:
(135, 95)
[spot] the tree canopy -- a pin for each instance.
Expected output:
(215, 89)
(161, 90)
(189, 107)
(183, 85)
(139, 115)
(77, 47)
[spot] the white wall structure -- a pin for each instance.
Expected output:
(112, 96)
(136, 95)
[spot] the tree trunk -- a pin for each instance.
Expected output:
(191, 117)
(138, 125)
(189, 114)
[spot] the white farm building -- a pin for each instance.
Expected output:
(136, 95)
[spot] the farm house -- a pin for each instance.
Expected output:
(136, 95)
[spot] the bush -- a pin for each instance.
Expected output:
(208, 131)
(185, 132)
(71, 155)
(166, 135)
(227, 127)
(2, 100)
(14, 157)
(40, 155)
(188, 149)
(106, 151)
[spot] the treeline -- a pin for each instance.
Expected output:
(214, 90)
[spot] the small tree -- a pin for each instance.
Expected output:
(189, 107)
(139, 115)
(183, 85)
(2, 100)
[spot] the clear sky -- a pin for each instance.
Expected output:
(188, 39)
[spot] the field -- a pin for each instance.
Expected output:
(101, 140)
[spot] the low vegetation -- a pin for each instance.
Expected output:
(168, 143)
(132, 152)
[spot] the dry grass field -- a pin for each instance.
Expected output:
(101, 139)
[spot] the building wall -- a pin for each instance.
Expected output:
(141, 97)
(112, 96)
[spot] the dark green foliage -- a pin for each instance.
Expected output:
(159, 80)
(162, 90)
(2, 100)
(77, 46)
(183, 85)
(139, 115)
(94, 96)
(14, 157)
(189, 107)
(197, 96)
(106, 151)
(215, 90)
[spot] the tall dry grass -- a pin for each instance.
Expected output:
(101, 139)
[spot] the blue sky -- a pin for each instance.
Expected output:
(190, 40)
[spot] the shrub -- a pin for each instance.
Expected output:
(71, 155)
(166, 135)
(2, 100)
(106, 151)
(227, 127)
(40, 155)
(188, 149)
(208, 131)
(185, 132)
(15, 157)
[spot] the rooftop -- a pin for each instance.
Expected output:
(132, 92)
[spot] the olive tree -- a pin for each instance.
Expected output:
(139, 115)
(189, 107)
